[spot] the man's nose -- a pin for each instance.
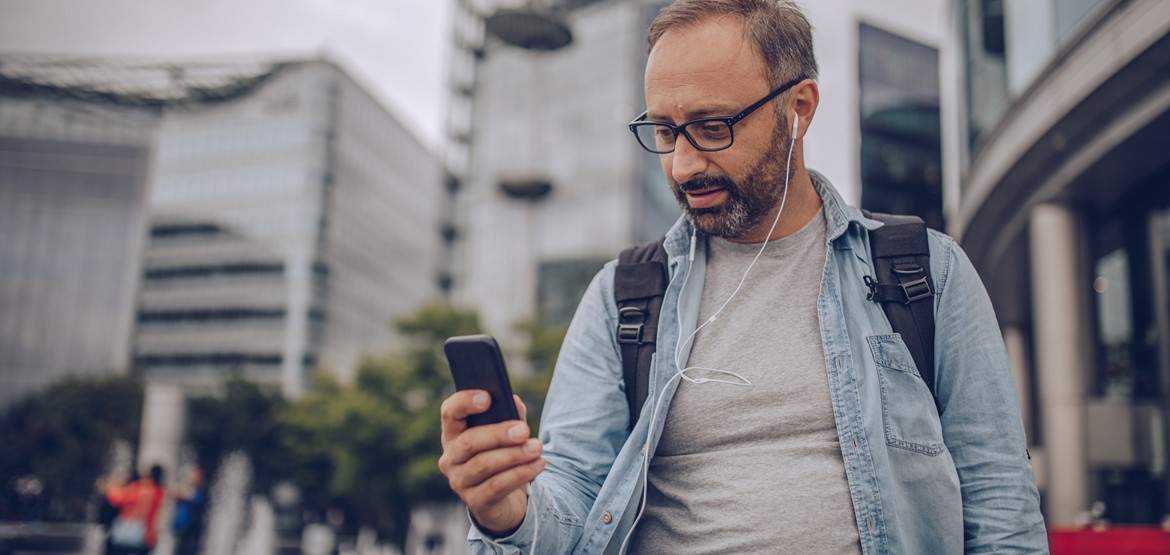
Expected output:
(686, 162)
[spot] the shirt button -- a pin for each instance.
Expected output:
(606, 518)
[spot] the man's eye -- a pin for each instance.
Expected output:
(664, 133)
(713, 129)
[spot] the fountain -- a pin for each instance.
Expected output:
(226, 510)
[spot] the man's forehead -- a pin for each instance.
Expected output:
(707, 65)
(709, 44)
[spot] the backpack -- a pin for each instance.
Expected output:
(901, 262)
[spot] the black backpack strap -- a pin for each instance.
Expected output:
(639, 283)
(904, 286)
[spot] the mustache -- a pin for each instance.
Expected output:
(703, 183)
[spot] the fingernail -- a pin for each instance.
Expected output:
(517, 433)
(480, 400)
(537, 464)
(531, 446)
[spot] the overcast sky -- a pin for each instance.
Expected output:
(397, 48)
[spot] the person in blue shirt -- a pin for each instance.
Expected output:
(784, 416)
(190, 511)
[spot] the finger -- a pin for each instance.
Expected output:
(495, 489)
(483, 466)
(455, 409)
(521, 407)
(485, 438)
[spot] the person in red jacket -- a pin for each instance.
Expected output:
(134, 531)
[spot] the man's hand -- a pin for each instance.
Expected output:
(488, 466)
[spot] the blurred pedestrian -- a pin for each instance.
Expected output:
(190, 508)
(134, 530)
(107, 512)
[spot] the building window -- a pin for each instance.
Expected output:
(983, 28)
(187, 230)
(210, 316)
(562, 283)
(901, 144)
(208, 359)
(214, 270)
(1114, 325)
(1130, 288)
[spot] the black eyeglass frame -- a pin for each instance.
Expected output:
(640, 121)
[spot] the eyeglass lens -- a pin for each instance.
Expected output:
(706, 135)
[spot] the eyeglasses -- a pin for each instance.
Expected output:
(706, 134)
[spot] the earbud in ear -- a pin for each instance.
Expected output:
(795, 124)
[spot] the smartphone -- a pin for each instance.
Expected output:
(476, 363)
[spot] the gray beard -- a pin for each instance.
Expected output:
(748, 203)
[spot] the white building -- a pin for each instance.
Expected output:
(199, 220)
(289, 228)
(73, 184)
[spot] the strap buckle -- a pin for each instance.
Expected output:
(631, 322)
(917, 290)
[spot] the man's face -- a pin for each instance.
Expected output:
(711, 70)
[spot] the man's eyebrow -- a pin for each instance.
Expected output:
(708, 112)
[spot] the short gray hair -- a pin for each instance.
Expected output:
(777, 29)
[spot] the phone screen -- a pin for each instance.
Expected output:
(476, 363)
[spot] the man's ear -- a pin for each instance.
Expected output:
(803, 105)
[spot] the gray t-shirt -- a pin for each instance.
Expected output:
(754, 469)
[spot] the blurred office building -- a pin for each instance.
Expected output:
(547, 183)
(290, 227)
(249, 218)
(1065, 211)
(73, 184)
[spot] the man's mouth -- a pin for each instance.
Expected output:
(705, 198)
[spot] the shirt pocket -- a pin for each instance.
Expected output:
(908, 413)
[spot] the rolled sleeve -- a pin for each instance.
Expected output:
(981, 417)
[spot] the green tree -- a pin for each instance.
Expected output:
(544, 344)
(372, 447)
(63, 434)
(245, 418)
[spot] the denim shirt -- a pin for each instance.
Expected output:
(920, 482)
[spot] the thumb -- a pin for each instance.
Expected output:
(521, 408)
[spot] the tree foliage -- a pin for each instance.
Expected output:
(63, 434)
(373, 446)
(370, 447)
(243, 418)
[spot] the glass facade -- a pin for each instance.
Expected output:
(291, 229)
(1129, 288)
(72, 184)
(1007, 43)
(210, 305)
(1059, 115)
(901, 143)
(561, 284)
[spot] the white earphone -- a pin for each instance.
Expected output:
(737, 380)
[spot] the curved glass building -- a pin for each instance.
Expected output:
(1064, 207)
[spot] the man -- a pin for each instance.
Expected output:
(783, 414)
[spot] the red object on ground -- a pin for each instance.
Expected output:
(1119, 540)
